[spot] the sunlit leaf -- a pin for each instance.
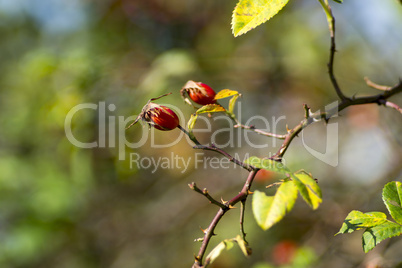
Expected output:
(269, 210)
(190, 125)
(357, 220)
(392, 196)
(373, 236)
(308, 188)
(191, 121)
(248, 14)
(232, 103)
(210, 108)
(224, 93)
(267, 164)
(225, 244)
(243, 246)
(228, 244)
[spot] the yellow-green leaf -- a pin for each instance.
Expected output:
(191, 122)
(210, 108)
(267, 164)
(269, 210)
(232, 103)
(228, 244)
(243, 246)
(224, 93)
(372, 236)
(190, 125)
(308, 188)
(357, 220)
(392, 196)
(225, 244)
(249, 14)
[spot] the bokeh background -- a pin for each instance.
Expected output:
(69, 207)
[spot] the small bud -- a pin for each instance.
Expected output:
(160, 117)
(199, 92)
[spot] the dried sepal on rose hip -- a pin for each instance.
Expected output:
(198, 92)
(158, 116)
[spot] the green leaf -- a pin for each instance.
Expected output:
(210, 108)
(243, 246)
(190, 125)
(392, 196)
(308, 188)
(373, 236)
(225, 244)
(191, 122)
(224, 93)
(357, 220)
(248, 14)
(228, 244)
(338, 1)
(267, 164)
(269, 210)
(232, 103)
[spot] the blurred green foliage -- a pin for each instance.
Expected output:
(63, 206)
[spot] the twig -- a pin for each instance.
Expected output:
(222, 152)
(252, 128)
(208, 233)
(375, 85)
(216, 149)
(307, 111)
(331, 25)
(205, 193)
(315, 117)
(274, 184)
(391, 105)
(261, 132)
(192, 138)
(242, 209)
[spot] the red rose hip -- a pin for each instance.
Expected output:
(199, 92)
(160, 117)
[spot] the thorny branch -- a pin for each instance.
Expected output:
(209, 232)
(222, 152)
(309, 118)
(380, 99)
(213, 147)
(261, 132)
(242, 210)
(256, 130)
(205, 193)
(331, 23)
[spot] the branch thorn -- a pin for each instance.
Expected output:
(204, 230)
